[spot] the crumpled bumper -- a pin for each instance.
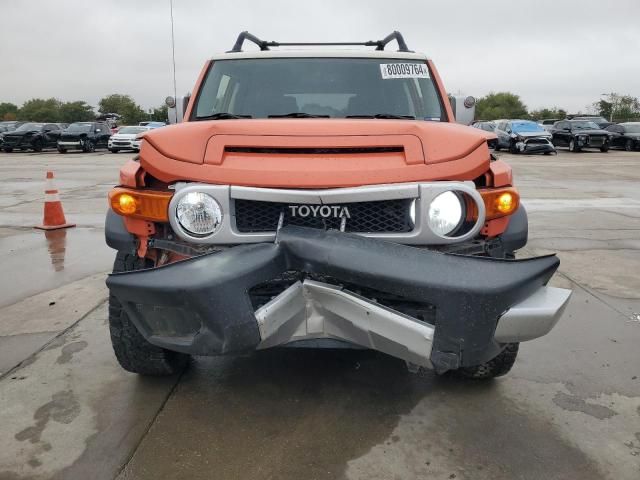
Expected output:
(536, 145)
(201, 305)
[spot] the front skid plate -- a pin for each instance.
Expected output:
(310, 310)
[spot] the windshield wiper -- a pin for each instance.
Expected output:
(384, 115)
(221, 116)
(298, 115)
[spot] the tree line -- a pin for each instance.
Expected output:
(613, 106)
(55, 111)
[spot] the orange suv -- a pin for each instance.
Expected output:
(323, 198)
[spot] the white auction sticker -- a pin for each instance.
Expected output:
(404, 70)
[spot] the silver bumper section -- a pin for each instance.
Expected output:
(533, 317)
(312, 310)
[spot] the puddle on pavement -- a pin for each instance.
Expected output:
(40, 261)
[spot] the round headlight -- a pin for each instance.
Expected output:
(199, 214)
(445, 213)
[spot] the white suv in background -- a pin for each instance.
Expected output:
(125, 139)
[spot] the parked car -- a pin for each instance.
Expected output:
(487, 127)
(597, 119)
(257, 223)
(126, 139)
(9, 125)
(31, 136)
(523, 136)
(152, 124)
(625, 135)
(548, 123)
(484, 125)
(579, 134)
(85, 136)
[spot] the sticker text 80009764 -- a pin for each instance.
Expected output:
(404, 70)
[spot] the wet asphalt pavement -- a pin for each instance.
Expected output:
(570, 408)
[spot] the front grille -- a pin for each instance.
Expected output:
(537, 141)
(11, 140)
(385, 216)
(263, 293)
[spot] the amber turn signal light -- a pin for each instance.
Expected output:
(143, 204)
(500, 202)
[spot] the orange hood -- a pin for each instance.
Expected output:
(314, 153)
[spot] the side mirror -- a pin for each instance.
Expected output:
(464, 108)
(508, 130)
(177, 108)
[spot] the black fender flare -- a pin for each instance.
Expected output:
(116, 234)
(517, 232)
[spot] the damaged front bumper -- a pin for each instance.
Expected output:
(535, 145)
(202, 305)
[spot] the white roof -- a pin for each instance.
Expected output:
(279, 52)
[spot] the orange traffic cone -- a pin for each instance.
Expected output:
(53, 213)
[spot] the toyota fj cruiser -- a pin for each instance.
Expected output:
(325, 199)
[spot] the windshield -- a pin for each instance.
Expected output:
(584, 125)
(132, 130)
(595, 119)
(526, 127)
(333, 87)
(26, 127)
(79, 128)
(632, 128)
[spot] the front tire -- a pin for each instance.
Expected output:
(114, 150)
(38, 145)
(134, 353)
(628, 145)
(61, 150)
(604, 148)
(496, 367)
(89, 147)
(573, 147)
(8, 150)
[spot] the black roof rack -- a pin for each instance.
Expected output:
(264, 45)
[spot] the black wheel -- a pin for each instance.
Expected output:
(61, 150)
(8, 150)
(628, 145)
(513, 148)
(496, 146)
(547, 153)
(133, 352)
(573, 147)
(89, 146)
(114, 150)
(604, 148)
(496, 367)
(37, 145)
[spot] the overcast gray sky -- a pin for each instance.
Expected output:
(563, 52)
